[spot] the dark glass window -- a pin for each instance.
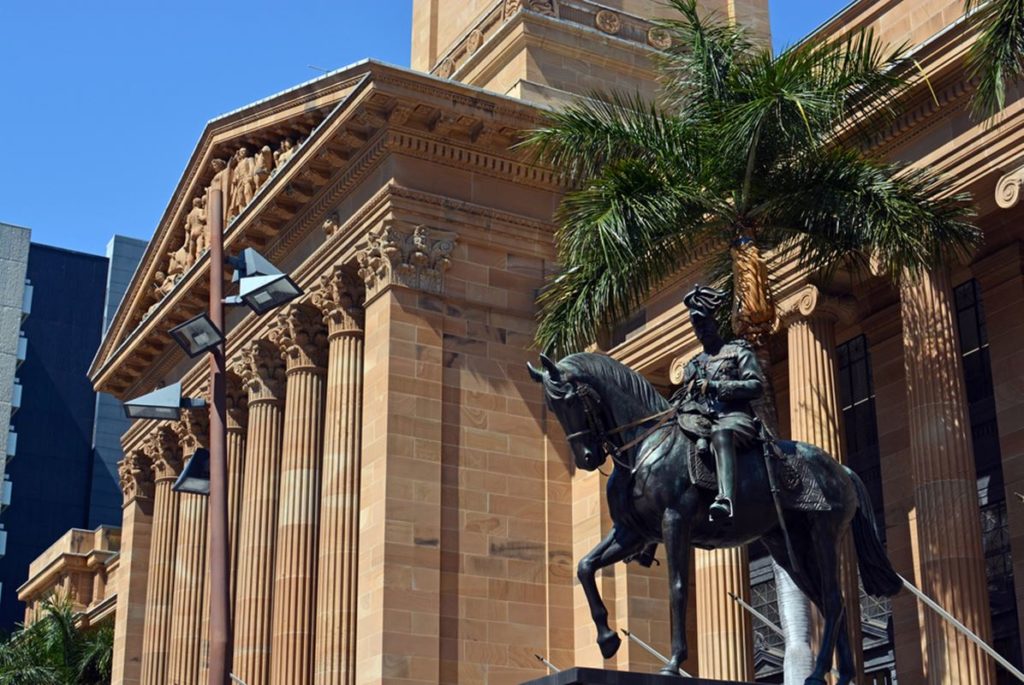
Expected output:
(988, 465)
(857, 400)
(769, 647)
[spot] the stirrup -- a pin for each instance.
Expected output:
(721, 509)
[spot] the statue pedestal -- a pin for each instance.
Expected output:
(599, 676)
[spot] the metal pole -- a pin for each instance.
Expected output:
(652, 651)
(220, 600)
(551, 666)
(757, 614)
(968, 633)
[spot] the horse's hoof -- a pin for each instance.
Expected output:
(609, 645)
(815, 681)
(668, 670)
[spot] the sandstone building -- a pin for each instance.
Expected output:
(402, 506)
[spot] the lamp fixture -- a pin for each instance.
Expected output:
(197, 335)
(163, 404)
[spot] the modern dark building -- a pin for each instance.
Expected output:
(63, 471)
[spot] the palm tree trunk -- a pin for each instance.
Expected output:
(755, 318)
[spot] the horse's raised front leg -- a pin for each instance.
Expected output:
(675, 528)
(615, 547)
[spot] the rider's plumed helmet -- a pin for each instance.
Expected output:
(704, 300)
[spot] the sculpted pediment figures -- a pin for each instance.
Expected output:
(239, 178)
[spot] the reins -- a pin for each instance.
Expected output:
(588, 394)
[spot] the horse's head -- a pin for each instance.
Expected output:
(578, 408)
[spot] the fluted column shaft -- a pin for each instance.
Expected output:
(135, 473)
(157, 631)
(188, 607)
(817, 418)
(262, 372)
(236, 419)
(294, 617)
(949, 551)
(724, 630)
(339, 495)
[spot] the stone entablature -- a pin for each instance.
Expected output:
(76, 567)
(393, 112)
(580, 13)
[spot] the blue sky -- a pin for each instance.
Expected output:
(103, 102)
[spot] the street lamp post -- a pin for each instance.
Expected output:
(220, 621)
(262, 287)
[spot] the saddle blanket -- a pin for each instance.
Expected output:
(799, 489)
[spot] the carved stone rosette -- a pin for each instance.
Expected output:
(416, 259)
(135, 473)
(338, 297)
(607, 21)
(300, 334)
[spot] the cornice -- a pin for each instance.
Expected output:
(438, 128)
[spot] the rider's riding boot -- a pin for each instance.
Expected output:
(725, 465)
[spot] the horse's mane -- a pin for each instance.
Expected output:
(587, 365)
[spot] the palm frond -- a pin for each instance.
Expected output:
(588, 134)
(837, 205)
(997, 57)
(619, 237)
(705, 50)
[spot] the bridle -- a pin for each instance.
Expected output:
(591, 400)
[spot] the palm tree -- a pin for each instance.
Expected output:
(743, 153)
(55, 651)
(997, 57)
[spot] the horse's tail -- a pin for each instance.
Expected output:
(876, 571)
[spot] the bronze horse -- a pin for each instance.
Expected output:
(607, 410)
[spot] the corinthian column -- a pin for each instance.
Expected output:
(338, 298)
(262, 370)
(237, 416)
(188, 613)
(816, 417)
(299, 331)
(136, 476)
(165, 455)
(949, 552)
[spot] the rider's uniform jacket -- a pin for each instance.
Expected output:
(734, 380)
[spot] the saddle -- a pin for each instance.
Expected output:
(799, 489)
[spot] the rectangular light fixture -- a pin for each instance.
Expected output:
(197, 335)
(195, 477)
(163, 404)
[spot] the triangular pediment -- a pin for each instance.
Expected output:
(283, 164)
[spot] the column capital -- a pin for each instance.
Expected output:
(193, 429)
(164, 452)
(1008, 188)
(414, 258)
(339, 296)
(135, 473)
(237, 399)
(300, 334)
(261, 369)
(810, 302)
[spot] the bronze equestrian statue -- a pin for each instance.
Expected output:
(665, 488)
